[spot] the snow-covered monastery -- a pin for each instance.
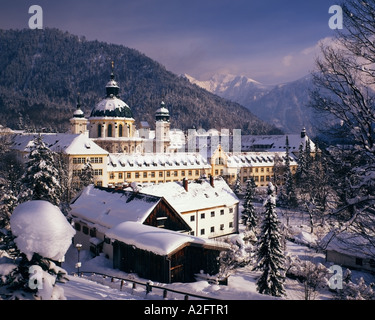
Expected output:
(120, 153)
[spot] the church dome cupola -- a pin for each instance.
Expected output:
(162, 114)
(112, 87)
(112, 105)
(78, 113)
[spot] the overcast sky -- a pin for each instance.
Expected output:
(271, 41)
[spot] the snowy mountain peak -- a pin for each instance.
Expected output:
(236, 88)
(221, 83)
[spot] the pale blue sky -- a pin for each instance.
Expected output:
(271, 41)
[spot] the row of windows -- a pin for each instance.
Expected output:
(153, 174)
(212, 229)
(88, 231)
(96, 172)
(256, 170)
(212, 214)
(258, 178)
(83, 160)
(110, 131)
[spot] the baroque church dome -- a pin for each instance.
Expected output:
(112, 106)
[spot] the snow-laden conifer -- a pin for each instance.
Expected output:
(41, 178)
(249, 213)
(270, 256)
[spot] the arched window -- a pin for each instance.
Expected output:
(120, 130)
(109, 131)
(99, 130)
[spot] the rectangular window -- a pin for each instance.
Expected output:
(161, 221)
(93, 232)
(192, 218)
(120, 175)
(212, 214)
(221, 227)
(96, 160)
(221, 211)
(79, 160)
(85, 230)
(212, 229)
(202, 232)
(98, 172)
(203, 215)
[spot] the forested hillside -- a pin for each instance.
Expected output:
(42, 71)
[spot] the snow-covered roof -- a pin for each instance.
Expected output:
(256, 159)
(349, 243)
(200, 195)
(159, 241)
(162, 161)
(72, 144)
(275, 142)
(108, 208)
(111, 107)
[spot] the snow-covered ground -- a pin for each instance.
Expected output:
(241, 283)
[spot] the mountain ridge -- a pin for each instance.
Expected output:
(42, 72)
(284, 105)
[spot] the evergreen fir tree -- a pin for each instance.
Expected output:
(301, 168)
(290, 197)
(308, 158)
(248, 213)
(41, 178)
(237, 185)
(270, 257)
(87, 175)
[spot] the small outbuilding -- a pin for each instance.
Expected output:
(96, 210)
(143, 234)
(162, 255)
(350, 250)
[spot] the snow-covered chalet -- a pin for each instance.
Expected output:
(141, 233)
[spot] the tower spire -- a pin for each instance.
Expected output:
(112, 87)
(113, 68)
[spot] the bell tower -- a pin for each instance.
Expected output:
(78, 124)
(162, 126)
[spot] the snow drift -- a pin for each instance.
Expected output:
(40, 227)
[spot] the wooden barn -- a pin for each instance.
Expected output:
(162, 255)
(141, 234)
(96, 210)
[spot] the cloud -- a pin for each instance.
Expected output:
(287, 60)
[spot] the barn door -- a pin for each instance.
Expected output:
(177, 266)
(177, 273)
